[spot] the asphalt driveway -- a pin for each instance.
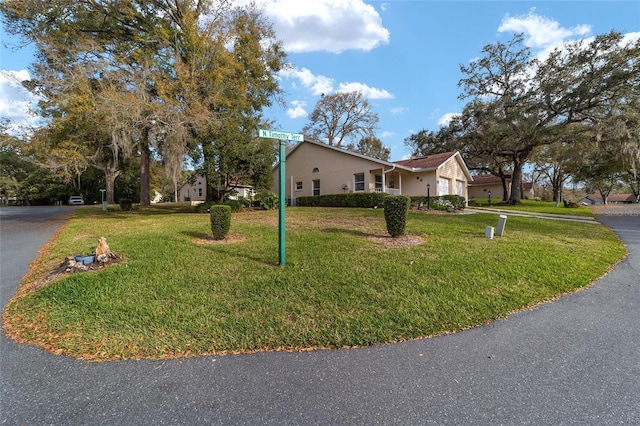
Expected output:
(573, 361)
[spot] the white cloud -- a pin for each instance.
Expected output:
(446, 119)
(386, 134)
(318, 84)
(298, 109)
(368, 92)
(326, 25)
(540, 32)
(399, 110)
(16, 101)
(322, 85)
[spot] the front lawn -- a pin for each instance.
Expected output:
(173, 294)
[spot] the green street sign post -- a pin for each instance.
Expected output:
(283, 137)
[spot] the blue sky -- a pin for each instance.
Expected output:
(403, 55)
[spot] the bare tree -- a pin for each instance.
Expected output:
(342, 116)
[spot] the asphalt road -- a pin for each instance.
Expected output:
(572, 361)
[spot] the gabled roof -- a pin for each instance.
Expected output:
(429, 163)
(434, 162)
(487, 180)
(341, 150)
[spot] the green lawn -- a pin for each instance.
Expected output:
(170, 296)
(547, 207)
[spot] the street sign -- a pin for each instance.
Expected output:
(282, 202)
(283, 136)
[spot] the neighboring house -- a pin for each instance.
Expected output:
(483, 184)
(315, 168)
(596, 199)
(197, 191)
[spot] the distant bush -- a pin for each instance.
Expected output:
(396, 210)
(356, 199)
(220, 216)
(126, 205)
(236, 205)
(204, 207)
(266, 200)
(441, 202)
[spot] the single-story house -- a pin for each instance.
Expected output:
(197, 191)
(596, 199)
(483, 184)
(315, 168)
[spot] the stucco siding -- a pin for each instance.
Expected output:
(483, 191)
(334, 170)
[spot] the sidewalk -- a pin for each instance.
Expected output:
(569, 218)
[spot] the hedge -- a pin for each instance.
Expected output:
(357, 199)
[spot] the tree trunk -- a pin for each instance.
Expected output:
(505, 188)
(110, 176)
(145, 198)
(516, 182)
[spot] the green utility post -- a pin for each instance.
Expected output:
(283, 137)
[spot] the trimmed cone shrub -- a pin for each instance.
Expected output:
(220, 221)
(396, 210)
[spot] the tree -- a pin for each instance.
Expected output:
(554, 162)
(341, 117)
(427, 142)
(168, 76)
(372, 147)
(521, 103)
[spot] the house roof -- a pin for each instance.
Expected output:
(428, 163)
(614, 198)
(487, 180)
(341, 150)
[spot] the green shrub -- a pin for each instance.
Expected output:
(204, 207)
(366, 200)
(396, 210)
(441, 202)
(126, 205)
(220, 220)
(266, 200)
(236, 205)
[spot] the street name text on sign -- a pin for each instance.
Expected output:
(283, 136)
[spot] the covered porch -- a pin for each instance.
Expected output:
(388, 181)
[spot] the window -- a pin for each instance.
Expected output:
(379, 183)
(316, 187)
(298, 186)
(199, 192)
(443, 186)
(358, 182)
(316, 170)
(460, 188)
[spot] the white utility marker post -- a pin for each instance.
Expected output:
(283, 137)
